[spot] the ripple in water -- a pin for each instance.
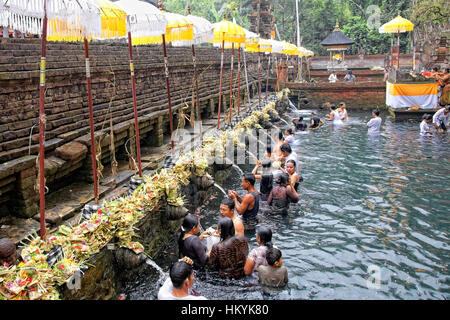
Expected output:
(372, 222)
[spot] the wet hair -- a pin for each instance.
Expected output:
(286, 147)
(265, 236)
(273, 255)
(427, 116)
(333, 107)
(228, 202)
(376, 112)
(300, 119)
(250, 178)
(290, 131)
(342, 104)
(350, 72)
(447, 107)
(189, 222)
(266, 163)
(435, 69)
(291, 161)
(269, 149)
(280, 135)
(179, 272)
(226, 227)
(447, 70)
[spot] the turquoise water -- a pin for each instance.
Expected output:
(373, 220)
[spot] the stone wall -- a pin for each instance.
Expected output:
(67, 144)
(363, 61)
(360, 95)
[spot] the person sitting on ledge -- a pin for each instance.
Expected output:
(332, 78)
(350, 77)
(273, 275)
(8, 252)
(180, 282)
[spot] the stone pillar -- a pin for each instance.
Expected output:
(212, 106)
(157, 136)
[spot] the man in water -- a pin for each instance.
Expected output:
(342, 110)
(288, 154)
(440, 119)
(248, 206)
(299, 124)
(316, 122)
(227, 210)
(425, 128)
(349, 77)
(374, 124)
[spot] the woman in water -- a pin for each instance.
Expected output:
(294, 177)
(265, 176)
(289, 136)
(189, 244)
(334, 116)
(343, 115)
(179, 282)
(257, 257)
(281, 196)
(279, 141)
(229, 255)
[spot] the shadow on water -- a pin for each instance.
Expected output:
(372, 221)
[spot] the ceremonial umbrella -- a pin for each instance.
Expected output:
(249, 37)
(178, 28)
(226, 31)
(144, 22)
(260, 45)
(203, 32)
(397, 25)
(69, 19)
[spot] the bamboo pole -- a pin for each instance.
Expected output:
(259, 76)
(221, 79)
(268, 75)
(136, 121)
(239, 80)
(166, 68)
(42, 121)
(231, 84)
(91, 119)
(194, 61)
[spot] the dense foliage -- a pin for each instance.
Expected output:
(358, 19)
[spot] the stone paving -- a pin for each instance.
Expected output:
(64, 206)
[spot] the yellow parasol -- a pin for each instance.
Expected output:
(226, 31)
(289, 49)
(397, 25)
(112, 21)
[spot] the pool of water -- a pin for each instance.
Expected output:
(373, 220)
